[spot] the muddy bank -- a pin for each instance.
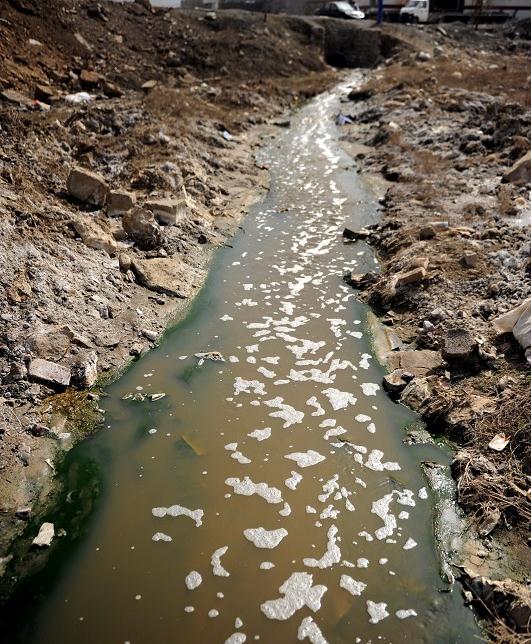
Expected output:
(445, 127)
(127, 157)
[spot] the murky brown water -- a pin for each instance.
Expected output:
(349, 517)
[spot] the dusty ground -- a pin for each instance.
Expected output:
(443, 129)
(73, 280)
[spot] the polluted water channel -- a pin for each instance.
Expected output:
(268, 495)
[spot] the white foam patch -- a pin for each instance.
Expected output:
(377, 611)
(263, 538)
(246, 487)
(308, 629)
(370, 388)
(339, 399)
(298, 591)
(374, 462)
(406, 612)
(236, 638)
(266, 565)
(423, 494)
(266, 372)
(215, 560)
(160, 536)
(306, 459)
(248, 386)
(354, 587)
(193, 580)
(288, 413)
(293, 480)
(410, 543)
(286, 510)
(313, 402)
(332, 554)
(179, 510)
(261, 434)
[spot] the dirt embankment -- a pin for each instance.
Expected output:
(444, 125)
(156, 107)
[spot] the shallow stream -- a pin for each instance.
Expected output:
(268, 496)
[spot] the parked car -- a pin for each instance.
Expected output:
(341, 10)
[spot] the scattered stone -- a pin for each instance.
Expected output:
(45, 536)
(120, 201)
(164, 275)
(85, 370)
(150, 335)
(93, 233)
(470, 259)
(49, 373)
(416, 393)
(87, 186)
(520, 172)
(124, 262)
(88, 79)
(168, 211)
(423, 56)
(44, 93)
(396, 381)
(354, 235)
(427, 232)
(141, 227)
(361, 281)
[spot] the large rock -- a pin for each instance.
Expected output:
(416, 393)
(120, 201)
(87, 186)
(85, 370)
(49, 373)
(419, 363)
(459, 345)
(95, 234)
(520, 172)
(168, 211)
(45, 536)
(141, 227)
(164, 275)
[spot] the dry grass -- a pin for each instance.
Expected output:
(505, 485)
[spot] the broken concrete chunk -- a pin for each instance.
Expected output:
(409, 277)
(416, 393)
(459, 344)
(396, 381)
(142, 228)
(164, 275)
(45, 536)
(120, 201)
(94, 234)
(168, 211)
(87, 186)
(49, 373)
(520, 172)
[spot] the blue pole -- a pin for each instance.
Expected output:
(379, 17)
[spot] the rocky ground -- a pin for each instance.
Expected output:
(126, 156)
(448, 124)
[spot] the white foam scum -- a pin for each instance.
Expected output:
(246, 487)
(354, 587)
(263, 538)
(306, 459)
(179, 510)
(193, 580)
(377, 611)
(308, 629)
(215, 560)
(332, 554)
(298, 591)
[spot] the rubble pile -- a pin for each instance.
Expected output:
(454, 241)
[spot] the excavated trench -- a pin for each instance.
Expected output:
(268, 495)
